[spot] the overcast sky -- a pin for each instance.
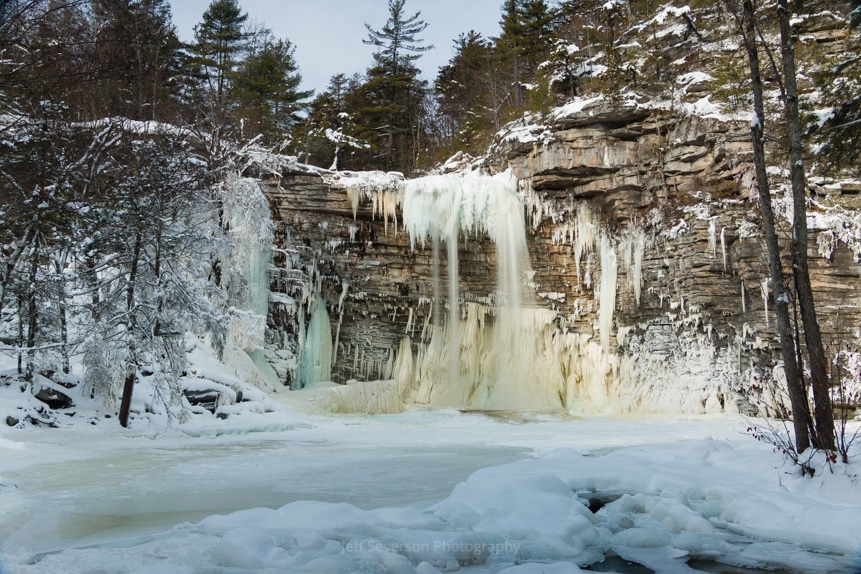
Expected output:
(328, 34)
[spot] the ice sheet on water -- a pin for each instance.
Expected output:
(660, 505)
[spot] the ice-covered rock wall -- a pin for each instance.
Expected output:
(643, 289)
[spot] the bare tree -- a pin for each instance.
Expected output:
(794, 378)
(823, 413)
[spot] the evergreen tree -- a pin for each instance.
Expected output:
(266, 89)
(525, 42)
(468, 98)
(138, 53)
(327, 137)
(45, 59)
(839, 137)
(219, 41)
(391, 113)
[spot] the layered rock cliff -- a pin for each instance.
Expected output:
(647, 288)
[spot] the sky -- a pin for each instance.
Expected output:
(328, 34)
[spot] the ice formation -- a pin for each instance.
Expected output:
(462, 363)
(315, 364)
(506, 352)
(607, 291)
(713, 236)
(246, 213)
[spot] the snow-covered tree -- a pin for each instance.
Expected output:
(149, 253)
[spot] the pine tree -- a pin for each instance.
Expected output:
(266, 89)
(467, 96)
(525, 42)
(839, 137)
(327, 137)
(391, 115)
(138, 54)
(219, 41)
(45, 59)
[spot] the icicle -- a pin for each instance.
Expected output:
(632, 247)
(743, 303)
(587, 277)
(409, 328)
(354, 194)
(402, 370)
(356, 360)
(453, 311)
(344, 286)
(723, 246)
(385, 203)
(639, 249)
(607, 301)
(584, 241)
(764, 288)
(713, 236)
(437, 297)
(427, 331)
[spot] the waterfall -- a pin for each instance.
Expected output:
(246, 213)
(466, 365)
(501, 351)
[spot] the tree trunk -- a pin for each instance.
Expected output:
(823, 414)
(11, 261)
(131, 366)
(32, 312)
(794, 381)
(63, 313)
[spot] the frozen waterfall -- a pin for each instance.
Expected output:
(315, 364)
(502, 349)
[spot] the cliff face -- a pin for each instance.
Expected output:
(647, 289)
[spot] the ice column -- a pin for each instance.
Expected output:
(315, 364)
(713, 236)
(607, 291)
(514, 386)
(584, 241)
(250, 224)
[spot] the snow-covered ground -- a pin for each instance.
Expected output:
(422, 491)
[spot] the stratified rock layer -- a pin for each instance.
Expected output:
(698, 340)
